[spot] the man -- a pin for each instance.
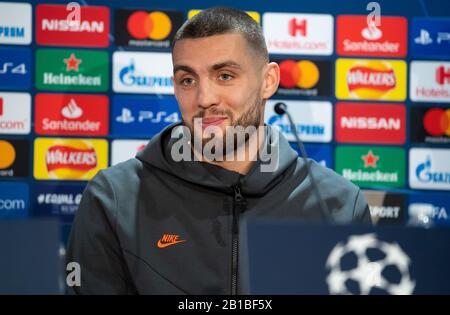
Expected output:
(166, 222)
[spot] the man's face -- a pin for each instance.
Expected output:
(220, 80)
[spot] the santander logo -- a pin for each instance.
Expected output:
(71, 114)
(72, 111)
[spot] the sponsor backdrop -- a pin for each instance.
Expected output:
(371, 101)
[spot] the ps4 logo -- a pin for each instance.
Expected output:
(129, 76)
(9, 67)
(425, 39)
(127, 117)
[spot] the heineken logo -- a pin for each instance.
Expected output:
(371, 167)
(72, 63)
(370, 159)
(72, 70)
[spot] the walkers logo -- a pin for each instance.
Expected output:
(143, 115)
(123, 150)
(14, 156)
(307, 34)
(321, 153)
(429, 209)
(54, 26)
(71, 114)
(430, 81)
(356, 38)
(15, 113)
(371, 79)
(15, 68)
(430, 37)
(429, 168)
(313, 120)
(304, 78)
(386, 207)
(371, 166)
(15, 23)
(253, 14)
(142, 72)
(14, 200)
(149, 29)
(57, 201)
(370, 123)
(72, 70)
(69, 159)
(431, 125)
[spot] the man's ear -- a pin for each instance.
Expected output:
(271, 80)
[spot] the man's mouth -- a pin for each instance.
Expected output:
(212, 121)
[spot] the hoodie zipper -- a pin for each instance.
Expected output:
(238, 206)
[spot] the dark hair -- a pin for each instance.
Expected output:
(224, 20)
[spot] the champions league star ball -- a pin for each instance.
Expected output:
(367, 265)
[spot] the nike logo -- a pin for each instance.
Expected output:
(168, 240)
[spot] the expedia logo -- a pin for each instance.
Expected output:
(370, 79)
(69, 159)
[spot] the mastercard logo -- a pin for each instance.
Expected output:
(143, 25)
(371, 79)
(302, 74)
(437, 122)
(8, 154)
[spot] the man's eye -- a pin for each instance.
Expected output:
(225, 77)
(187, 81)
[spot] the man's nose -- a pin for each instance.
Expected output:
(207, 95)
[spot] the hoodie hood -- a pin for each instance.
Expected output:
(258, 181)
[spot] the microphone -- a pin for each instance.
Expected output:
(281, 109)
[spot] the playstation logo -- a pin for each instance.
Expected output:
(424, 38)
(125, 117)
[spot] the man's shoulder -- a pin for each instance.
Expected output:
(327, 178)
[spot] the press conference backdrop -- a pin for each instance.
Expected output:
(371, 100)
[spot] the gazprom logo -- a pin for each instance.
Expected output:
(425, 174)
(302, 129)
(129, 76)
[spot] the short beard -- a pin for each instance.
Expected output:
(250, 118)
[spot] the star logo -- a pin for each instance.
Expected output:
(72, 63)
(370, 160)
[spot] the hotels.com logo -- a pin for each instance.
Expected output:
(297, 27)
(443, 75)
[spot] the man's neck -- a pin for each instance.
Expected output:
(249, 150)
